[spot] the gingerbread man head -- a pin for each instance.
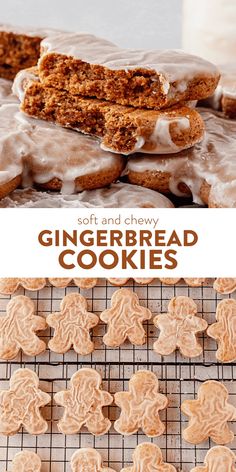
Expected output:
(26, 461)
(148, 457)
(88, 460)
(218, 458)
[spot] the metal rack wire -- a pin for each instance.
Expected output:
(179, 379)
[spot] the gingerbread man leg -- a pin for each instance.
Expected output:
(152, 425)
(34, 346)
(34, 421)
(97, 424)
(136, 335)
(59, 343)
(222, 431)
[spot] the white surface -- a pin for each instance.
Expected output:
(209, 30)
(129, 23)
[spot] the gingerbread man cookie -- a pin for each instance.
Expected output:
(192, 282)
(140, 406)
(26, 461)
(225, 286)
(178, 328)
(209, 414)
(10, 285)
(123, 281)
(18, 329)
(81, 283)
(218, 459)
(124, 319)
(83, 404)
(72, 326)
(88, 460)
(224, 330)
(147, 457)
(20, 405)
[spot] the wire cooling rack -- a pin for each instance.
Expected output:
(179, 379)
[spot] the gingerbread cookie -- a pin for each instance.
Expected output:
(26, 461)
(125, 319)
(209, 415)
(18, 329)
(83, 64)
(178, 328)
(147, 457)
(8, 286)
(224, 330)
(192, 282)
(218, 459)
(122, 281)
(72, 326)
(20, 405)
(205, 172)
(81, 283)
(83, 404)
(88, 460)
(140, 406)
(225, 286)
(224, 97)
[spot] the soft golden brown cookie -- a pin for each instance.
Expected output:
(209, 415)
(18, 329)
(83, 403)
(72, 326)
(140, 406)
(8, 286)
(225, 286)
(122, 281)
(20, 405)
(147, 457)
(88, 460)
(125, 319)
(179, 328)
(224, 330)
(81, 283)
(218, 459)
(26, 461)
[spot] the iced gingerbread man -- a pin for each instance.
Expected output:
(224, 330)
(83, 404)
(147, 457)
(218, 458)
(88, 460)
(20, 405)
(72, 326)
(209, 415)
(124, 319)
(178, 328)
(18, 328)
(140, 406)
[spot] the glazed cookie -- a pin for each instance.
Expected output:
(118, 195)
(8, 286)
(83, 64)
(225, 286)
(83, 404)
(122, 281)
(206, 172)
(120, 128)
(81, 283)
(140, 406)
(72, 326)
(209, 415)
(125, 319)
(218, 458)
(89, 460)
(224, 330)
(224, 97)
(148, 457)
(26, 461)
(20, 48)
(192, 282)
(18, 329)
(20, 405)
(179, 328)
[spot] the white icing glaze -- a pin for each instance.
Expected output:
(119, 195)
(226, 87)
(172, 65)
(6, 95)
(209, 30)
(212, 161)
(43, 151)
(29, 30)
(21, 79)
